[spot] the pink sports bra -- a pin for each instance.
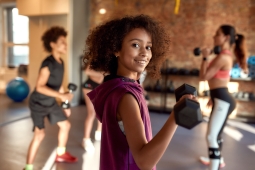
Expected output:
(223, 74)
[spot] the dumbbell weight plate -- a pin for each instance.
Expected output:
(184, 89)
(72, 87)
(148, 88)
(157, 87)
(251, 96)
(246, 95)
(197, 51)
(217, 50)
(187, 113)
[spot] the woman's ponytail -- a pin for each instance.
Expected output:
(241, 52)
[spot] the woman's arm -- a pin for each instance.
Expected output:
(206, 73)
(216, 65)
(146, 154)
(93, 73)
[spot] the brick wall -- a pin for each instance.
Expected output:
(194, 26)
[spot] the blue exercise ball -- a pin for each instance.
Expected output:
(17, 89)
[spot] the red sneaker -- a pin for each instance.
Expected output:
(66, 157)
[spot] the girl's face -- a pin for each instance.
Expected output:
(60, 46)
(220, 38)
(135, 53)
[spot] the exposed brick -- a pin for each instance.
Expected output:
(194, 26)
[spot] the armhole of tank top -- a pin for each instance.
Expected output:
(120, 123)
(121, 126)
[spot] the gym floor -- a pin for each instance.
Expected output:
(182, 153)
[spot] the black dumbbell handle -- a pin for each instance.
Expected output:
(70, 91)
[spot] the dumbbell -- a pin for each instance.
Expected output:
(183, 71)
(251, 96)
(194, 72)
(72, 87)
(246, 95)
(148, 88)
(172, 71)
(239, 95)
(163, 71)
(206, 92)
(170, 87)
(187, 112)
(157, 87)
(216, 50)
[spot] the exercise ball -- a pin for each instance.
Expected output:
(17, 89)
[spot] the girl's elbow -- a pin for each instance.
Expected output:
(143, 164)
(202, 78)
(39, 88)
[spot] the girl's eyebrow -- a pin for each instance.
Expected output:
(139, 40)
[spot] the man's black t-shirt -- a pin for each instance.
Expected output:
(54, 82)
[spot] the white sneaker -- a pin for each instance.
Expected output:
(206, 161)
(88, 145)
(98, 135)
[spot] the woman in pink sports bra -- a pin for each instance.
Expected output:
(217, 73)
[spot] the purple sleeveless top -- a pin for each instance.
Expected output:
(115, 153)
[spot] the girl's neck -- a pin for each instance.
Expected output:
(225, 47)
(130, 75)
(57, 56)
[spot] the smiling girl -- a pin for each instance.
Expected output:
(124, 48)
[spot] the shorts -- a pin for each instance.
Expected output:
(54, 113)
(90, 84)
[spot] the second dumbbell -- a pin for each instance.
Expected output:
(72, 87)
(216, 50)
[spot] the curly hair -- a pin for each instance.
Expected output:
(106, 39)
(52, 35)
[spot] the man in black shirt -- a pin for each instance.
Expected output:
(42, 101)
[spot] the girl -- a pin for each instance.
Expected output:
(217, 75)
(42, 102)
(94, 79)
(124, 48)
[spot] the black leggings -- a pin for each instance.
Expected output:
(223, 105)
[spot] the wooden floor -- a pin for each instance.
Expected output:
(182, 153)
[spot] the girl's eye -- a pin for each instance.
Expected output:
(135, 45)
(148, 48)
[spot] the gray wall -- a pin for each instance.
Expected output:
(80, 29)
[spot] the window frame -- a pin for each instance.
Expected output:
(4, 34)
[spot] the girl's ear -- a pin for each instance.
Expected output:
(117, 54)
(227, 38)
(52, 45)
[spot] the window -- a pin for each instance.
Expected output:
(16, 38)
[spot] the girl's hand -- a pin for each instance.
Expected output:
(189, 96)
(66, 96)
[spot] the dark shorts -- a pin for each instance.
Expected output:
(90, 84)
(54, 113)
